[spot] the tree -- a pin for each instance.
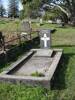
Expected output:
(2, 10)
(29, 6)
(32, 6)
(66, 6)
(55, 11)
(13, 8)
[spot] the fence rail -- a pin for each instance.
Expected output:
(16, 39)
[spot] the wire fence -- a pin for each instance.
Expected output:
(12, 39)
(12, 30)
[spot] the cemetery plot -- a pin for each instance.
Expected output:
(34, 68)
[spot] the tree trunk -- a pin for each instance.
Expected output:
(72, 18)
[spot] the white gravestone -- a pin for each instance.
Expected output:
(41, 21)
(58, 21)
(45, 38)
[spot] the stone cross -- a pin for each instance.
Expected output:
(45, 38)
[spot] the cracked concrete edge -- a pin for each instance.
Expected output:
(54, 65)
(31, 81)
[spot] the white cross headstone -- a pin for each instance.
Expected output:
(45, 39)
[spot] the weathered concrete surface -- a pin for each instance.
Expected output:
(43, 53)
(35, 64)
(44, 64)
(39, 62)
(28, 80)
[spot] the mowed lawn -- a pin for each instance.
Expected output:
(63, 85)
(9, 25)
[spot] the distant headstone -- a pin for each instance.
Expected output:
(25, 27)
(73, 21)
(30, 22)
(45, 38)
(60, 23)
(50, 21)
(41, 21)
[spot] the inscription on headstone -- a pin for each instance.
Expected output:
(45, 38)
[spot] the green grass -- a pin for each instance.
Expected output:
(8, 25)
(37, 74)
(63, 87)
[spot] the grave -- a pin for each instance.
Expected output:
(60, 23)
(45, 38)
(26, 29)
(36, 67)
(25, 26)
(41, 21)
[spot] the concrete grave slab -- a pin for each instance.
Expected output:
(21, 71)
(44, 52)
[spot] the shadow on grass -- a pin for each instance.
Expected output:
(58, 81)
(61, 46)
(13, 54)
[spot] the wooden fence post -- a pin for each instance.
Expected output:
(19, 38)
